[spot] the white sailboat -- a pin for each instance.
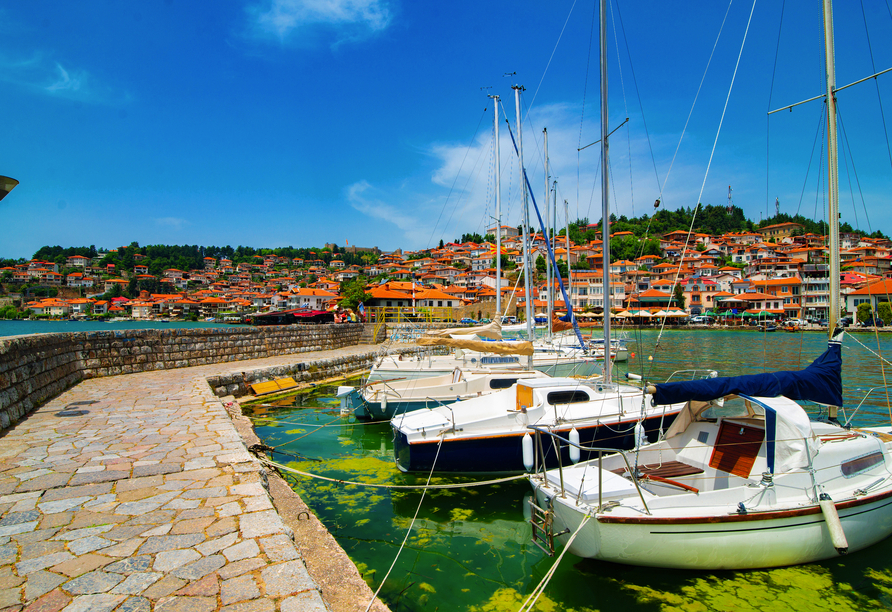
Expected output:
(742, 479)
(492, 433)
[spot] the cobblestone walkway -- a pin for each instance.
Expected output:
(136, 493)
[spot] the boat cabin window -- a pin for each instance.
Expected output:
(501, 383)
(861, 464)
(735, 407)
(567, 397)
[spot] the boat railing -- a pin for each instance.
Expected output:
(693, 374)
(541, 470)
(848, 422)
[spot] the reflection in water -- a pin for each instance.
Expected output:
(469, 548)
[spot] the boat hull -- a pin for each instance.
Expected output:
(503, 453)
(724, 541)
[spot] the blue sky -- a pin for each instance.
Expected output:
(299, 122)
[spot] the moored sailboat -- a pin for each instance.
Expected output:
(743, 478)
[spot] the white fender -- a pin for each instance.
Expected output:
(574, 450)
(834, 525)
(527, 447)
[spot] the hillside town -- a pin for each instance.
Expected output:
(777, 271)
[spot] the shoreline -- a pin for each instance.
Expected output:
(342, 587)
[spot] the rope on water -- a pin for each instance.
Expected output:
(408, 531)
(455, 485)
(540, 588)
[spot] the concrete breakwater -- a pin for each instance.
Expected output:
(35, 368)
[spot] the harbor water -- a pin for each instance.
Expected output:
(470, 549)
(24, 327)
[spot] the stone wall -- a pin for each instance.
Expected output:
(37, 367)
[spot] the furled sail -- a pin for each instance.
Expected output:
(492, 330)
(471, 344)
(821, 382)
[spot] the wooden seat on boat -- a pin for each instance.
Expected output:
(666, 469)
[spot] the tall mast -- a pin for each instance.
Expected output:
(495, 125)
(570, 314)
(605, 200)
(833, 176)
(527, 285)
(550, 285)
(832, 164)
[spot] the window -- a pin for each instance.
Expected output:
(567, 397)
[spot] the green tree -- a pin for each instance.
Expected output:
(884, 311)
(353, 292)
(678, 296)
(865, 310)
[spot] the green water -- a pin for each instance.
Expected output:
(469, 549)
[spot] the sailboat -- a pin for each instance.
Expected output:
(743, 478)
(493, 433)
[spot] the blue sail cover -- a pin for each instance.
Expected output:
(821, 382)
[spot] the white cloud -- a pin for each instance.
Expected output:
(289, 19)
(457, 195)
(174, 223)
(66, 81)
(42, 75)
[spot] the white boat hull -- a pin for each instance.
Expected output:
(730, 542)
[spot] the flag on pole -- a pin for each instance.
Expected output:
(361, 309)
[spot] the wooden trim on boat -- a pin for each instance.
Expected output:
(740, 518)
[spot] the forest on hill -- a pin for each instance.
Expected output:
(190, 257)
(708, 219)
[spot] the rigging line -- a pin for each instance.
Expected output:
(712, 153)
(408, 531)
(819, 137)
(640, 103)
(553, 51)
(699, 88)
(768, 117)
(465, 188)
(588, 61)
(449, 195)
(622, 84)
(848, 147)
(875, 82)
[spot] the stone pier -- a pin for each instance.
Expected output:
(135, 492)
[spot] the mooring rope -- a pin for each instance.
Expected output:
(409, 530)
(540, 588)
(455, 485)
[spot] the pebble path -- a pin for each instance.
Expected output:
(135, 493)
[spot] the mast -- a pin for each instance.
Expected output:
(527, 285)
(833, 176)
(570, 314)
(832, 165)
(605, 200)
(550, 290)
(495, 124)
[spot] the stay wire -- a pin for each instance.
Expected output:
(768, 117)
(875, 81)
(712, 152)
(588, 60)
(452, 188)
(653, 158)
(699, 88)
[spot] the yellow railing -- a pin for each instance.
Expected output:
(409, 314)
